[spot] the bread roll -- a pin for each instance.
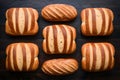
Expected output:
(59, 39)
(97, 21)
(97, 56)
(59, 12)
(21, 21)
(60, 66)
(22, 57)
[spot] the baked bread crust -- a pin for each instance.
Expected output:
(97, 21)
(59, 39)
(21, 21)
(59, 12)
(22, 57)
(60, 66)
(97, 56)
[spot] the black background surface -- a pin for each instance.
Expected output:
(80, 40)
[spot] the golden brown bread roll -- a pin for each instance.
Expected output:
(22, 57)
(97, 21)
(60, 66)
(59, 12)
(59, 39)
(97, 56)
(21, 21)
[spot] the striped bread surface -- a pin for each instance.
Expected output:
(21, 21)
(97, 21)
(22, 57)
(97, 56)
(60, 66)
(59, 39)
(59, 12)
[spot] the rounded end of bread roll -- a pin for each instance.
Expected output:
(36, 49)
(73, 31)
(36, 13)
(44, 46)
(36, 29)
(73, 47)
(84, 63)
(35, 64)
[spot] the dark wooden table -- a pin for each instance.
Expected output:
(37, 39)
